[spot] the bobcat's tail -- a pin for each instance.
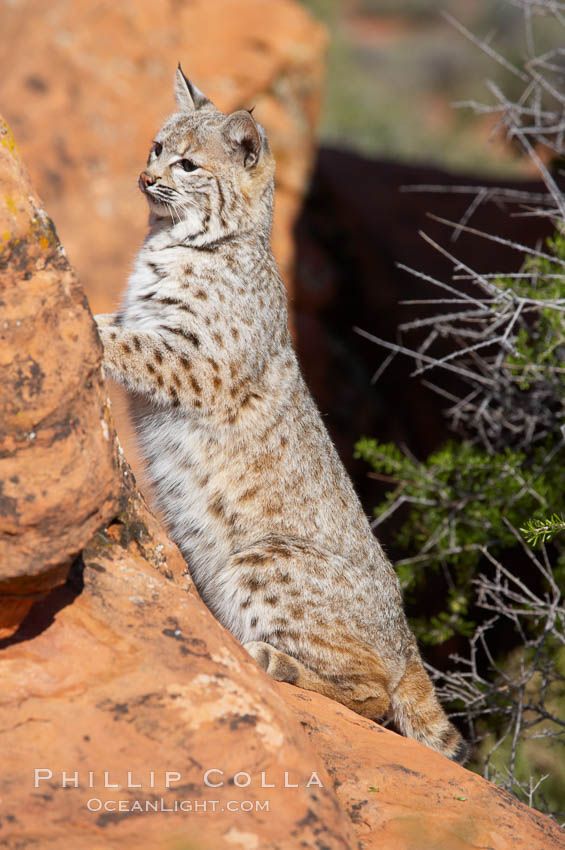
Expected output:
(418, 714)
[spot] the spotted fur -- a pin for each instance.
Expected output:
(244, 470)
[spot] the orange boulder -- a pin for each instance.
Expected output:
(57, 453)
(400, 795)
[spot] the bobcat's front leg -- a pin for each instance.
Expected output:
(147, 363)
(105, 319)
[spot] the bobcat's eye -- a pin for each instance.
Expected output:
(187, 164)
(156, 149)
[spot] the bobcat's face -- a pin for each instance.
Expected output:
(207, 172)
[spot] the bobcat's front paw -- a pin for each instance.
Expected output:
(107, 333)
(105, 320)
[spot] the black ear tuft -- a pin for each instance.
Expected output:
(243, 137)
(188, 97)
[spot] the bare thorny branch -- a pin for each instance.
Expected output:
(482, 332)
(521, 695)
(503, 402)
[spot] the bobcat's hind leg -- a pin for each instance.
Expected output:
(277, 664)
(368, 698)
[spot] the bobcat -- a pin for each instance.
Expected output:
(244, 471)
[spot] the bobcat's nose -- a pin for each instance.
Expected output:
(145, 180)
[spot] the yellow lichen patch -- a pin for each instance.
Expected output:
(12, 243)
(10, 204)
(7, 141)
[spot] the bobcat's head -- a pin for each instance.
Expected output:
(209, 174)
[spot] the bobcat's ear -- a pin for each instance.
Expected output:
(188, 97)
(243, 137)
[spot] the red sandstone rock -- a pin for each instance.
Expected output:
(57, 477)
(402, 796)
